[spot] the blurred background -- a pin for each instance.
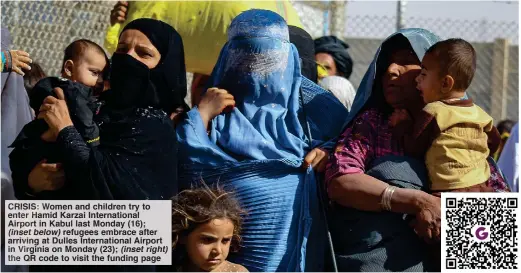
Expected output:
(45, 28)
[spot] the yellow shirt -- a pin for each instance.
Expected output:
(457, 158)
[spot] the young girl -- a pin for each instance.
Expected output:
(206, 223)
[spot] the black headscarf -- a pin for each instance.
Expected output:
(306, 50)
(338, 50)
(133, 84)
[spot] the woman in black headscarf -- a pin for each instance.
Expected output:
(136, 158)
(331, 53)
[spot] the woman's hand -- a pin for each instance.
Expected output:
(55, 112)
(398, 116)
(427, 223)
(20, 61)
(46, 177)
(317, 158)
(119, 13)
(213, 103)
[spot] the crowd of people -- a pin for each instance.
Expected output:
(278, 151)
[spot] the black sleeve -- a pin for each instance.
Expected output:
(72, 146)
(22, 161)
(77, 164)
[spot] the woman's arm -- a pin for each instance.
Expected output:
(72, 147)
(363, 192)
(349, 186)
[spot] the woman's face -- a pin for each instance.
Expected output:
(136, 44)
(327, 62)
(398, 81)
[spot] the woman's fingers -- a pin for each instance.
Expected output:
(436, 232)
(45, 107)
(221, 91)
(52, 167)
(56, 180)
(59, 93)
(120, 13)
(318, 158)
(25, 59)
(21, 53)
(18, 71)
(228, 96)
(41, 115)
(50, 100)
(24, 66)
(48, 136)
(322, 165)
(309, 158)
(427, 238)
(228, 105)
(319, 161)
(229, 102)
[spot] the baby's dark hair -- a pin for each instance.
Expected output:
(191, 208)
(32, 77)
(78, 47)
(457, 58)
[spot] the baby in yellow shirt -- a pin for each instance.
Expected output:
(451, 133)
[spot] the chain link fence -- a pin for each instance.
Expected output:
(45, 28)
(495, 86)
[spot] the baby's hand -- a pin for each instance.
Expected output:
(213, 103)
(398, 116)
(18, 61)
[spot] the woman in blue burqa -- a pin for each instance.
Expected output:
(258, 148)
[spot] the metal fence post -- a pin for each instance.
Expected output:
(400, 10)
(337, 18)
(499, 79)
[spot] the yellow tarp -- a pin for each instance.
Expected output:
(201, 24)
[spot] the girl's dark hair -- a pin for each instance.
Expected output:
(33, 76)
(191, 208)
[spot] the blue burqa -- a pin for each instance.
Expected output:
(257, 149)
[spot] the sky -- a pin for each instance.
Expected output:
(491, 10)
(471, 20)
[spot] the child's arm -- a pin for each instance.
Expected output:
(494, 138)
(15, 60)
(423, 132)
(213, 103)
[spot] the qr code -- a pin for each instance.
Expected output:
(480, 231)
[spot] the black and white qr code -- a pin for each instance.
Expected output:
(480, 231)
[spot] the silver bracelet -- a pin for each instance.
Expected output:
(387, 197)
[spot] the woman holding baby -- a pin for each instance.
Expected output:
(381, 204)
(137, 155)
